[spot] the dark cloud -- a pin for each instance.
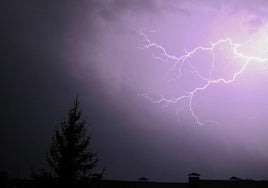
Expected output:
(113, 10)
(41, 41)
(36, 86)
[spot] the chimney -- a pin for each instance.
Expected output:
(193, 180)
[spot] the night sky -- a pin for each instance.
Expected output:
(149, 113)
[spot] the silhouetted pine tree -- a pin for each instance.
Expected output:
(70, 156)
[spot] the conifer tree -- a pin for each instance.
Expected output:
(70, 157)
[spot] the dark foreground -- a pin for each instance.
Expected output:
(194, 182)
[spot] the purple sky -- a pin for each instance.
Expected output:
(54, 50)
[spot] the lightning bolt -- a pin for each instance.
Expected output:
(180, 61)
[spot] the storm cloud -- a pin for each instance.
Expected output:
(54, 50)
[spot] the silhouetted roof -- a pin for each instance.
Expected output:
(234, 178)
(193, 174)
(143, 179)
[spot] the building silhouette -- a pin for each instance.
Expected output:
(194, 181)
